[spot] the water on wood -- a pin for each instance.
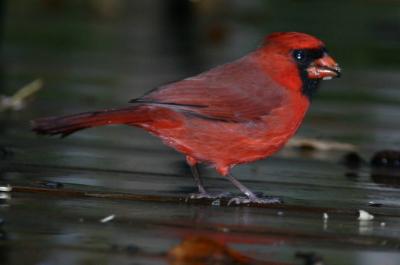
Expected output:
(116, 195)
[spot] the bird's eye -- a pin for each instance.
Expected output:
(299, 55)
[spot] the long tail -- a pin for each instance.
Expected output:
(65, 125)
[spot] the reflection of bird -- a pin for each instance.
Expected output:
(232, 114)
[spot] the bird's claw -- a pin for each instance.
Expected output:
(209, 195)
(256, 200)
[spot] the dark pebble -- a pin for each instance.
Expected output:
(386, 159)
(353, 160)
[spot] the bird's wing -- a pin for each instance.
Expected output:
(236, 92)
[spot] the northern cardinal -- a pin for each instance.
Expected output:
(235, 113)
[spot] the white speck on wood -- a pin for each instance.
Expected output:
(365, 216)
(4, 196)
(107, 219)
(7, 188)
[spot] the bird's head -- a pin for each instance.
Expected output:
(298, 61)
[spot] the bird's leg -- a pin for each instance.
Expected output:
(192, 162)
(251, 197)
(241, 187)
(203, 194)
(197, 179)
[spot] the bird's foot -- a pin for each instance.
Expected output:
(209, 195)
(256, 200)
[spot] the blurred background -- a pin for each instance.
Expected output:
(101, 53)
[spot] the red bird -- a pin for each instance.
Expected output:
(232, 114)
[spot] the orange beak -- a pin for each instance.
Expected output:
(324, 68)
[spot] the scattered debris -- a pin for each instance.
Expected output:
(18, 100)
(365, 227)
(365, 216)
(6, 188)
(107, 218)
(310, 258)
(4, 196)
(313, 144)
(325, 216)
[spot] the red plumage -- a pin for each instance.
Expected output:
(235, 113)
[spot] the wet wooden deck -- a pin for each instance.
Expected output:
(62, 189)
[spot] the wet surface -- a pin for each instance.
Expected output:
(102, 56)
